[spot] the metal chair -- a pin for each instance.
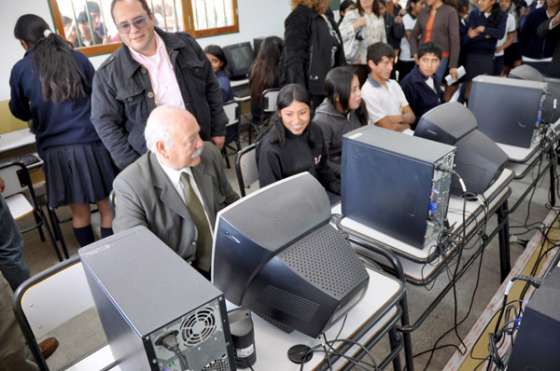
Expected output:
(232, 129)
(246, 168)
(21, 200)
(50, 299)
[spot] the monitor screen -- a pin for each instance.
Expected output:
(239, 58)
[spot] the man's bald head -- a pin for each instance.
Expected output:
(172, 134)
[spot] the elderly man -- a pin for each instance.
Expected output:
(176, 188)
(152, 68)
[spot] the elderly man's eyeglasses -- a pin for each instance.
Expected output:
(138, 23)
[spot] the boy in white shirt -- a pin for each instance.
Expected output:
(385, 101)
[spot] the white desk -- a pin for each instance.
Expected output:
(379, 304)
(474, 213)
(16, 139)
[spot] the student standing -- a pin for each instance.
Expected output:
(439, 23)
(361, 28)
(506, 41)
(485, 26)
(406, 60)
(313, 46)
(51, 86)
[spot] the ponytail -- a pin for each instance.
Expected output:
(60, 76)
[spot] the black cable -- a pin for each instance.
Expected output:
(324, 345)
(363, 348)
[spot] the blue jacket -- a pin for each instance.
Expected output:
(225, 86)
(54, 124)
(532, 44)
(419, 95)
(485, 43)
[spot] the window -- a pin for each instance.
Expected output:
(88, 24)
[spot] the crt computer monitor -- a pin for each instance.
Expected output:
(276, 253)
(239, 60)
(479, 161)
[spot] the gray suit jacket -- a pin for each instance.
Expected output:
(144, 195)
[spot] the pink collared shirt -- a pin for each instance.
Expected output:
(162, 76)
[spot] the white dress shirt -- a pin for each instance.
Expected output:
(175, 178)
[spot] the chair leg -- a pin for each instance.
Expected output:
(224, 153)
(40, 229)
(55, 223)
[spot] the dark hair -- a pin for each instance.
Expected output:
(429, 48)
(58, 71)
(144, 4)
(92, 7)
(265, 73)
(82, 18)
(378, 50)
(345, 5)
(409, 5)
(496, 14)
(374, 7)
(287, 95)
(338, 83)
(217, 52)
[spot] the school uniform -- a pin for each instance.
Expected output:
(78, 168)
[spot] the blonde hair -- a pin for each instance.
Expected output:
(313, 4)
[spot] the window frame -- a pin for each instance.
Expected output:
(188, 22)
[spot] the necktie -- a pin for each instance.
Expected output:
(196, 210)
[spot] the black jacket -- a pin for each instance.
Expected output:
(307, 55)
(546, 33)
(305, 152)
(122, 97)
(334, 125)
(394, 31)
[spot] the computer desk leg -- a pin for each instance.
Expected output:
(405, 320)
(552, 173)
(394, 342)
(503, 237)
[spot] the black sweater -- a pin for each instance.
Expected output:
(297, 154)
(334, 125)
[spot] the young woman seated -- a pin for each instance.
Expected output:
(292, 144)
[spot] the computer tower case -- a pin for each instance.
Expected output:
(157, 311)
(276, 253)
(507, 110)
(478, 159)
(396, 183)
(537, 345)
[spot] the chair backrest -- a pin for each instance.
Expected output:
(270, 97)
(51, 299)
(246, 167)
(16, 177)
(231, 109)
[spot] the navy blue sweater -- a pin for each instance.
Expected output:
(532, 45)
(484, 43)
(54, 124)
(418, 94)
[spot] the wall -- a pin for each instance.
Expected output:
(256, 18)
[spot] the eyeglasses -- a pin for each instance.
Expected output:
(138, 23)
